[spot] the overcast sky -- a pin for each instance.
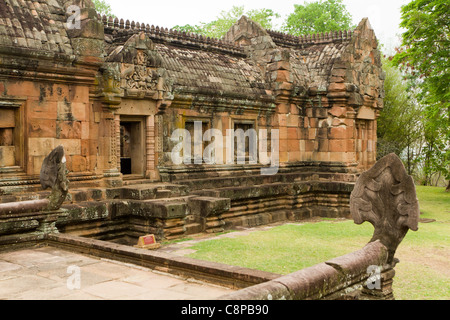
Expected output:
(384, 15)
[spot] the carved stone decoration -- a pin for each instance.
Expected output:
(53, 175)
(141, 73)
(109, 89)
(385, 196)
(141, 78)
(111, 79)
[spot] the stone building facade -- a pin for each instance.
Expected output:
(112, 92)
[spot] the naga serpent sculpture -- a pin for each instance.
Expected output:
(386, 197)
(53, 175)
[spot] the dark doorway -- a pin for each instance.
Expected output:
(131, 148)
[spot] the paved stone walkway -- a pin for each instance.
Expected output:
(49, 273)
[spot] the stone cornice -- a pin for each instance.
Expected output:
(30, 64)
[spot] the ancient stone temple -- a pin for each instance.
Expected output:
(114, 94)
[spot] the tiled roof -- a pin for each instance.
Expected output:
(35, 25)
(211, 73)
(197, 64)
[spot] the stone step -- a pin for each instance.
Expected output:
(146, 191)
(169, 208)
(193, 228)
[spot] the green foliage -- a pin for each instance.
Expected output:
(425, 53)
(427, 46)
(400, 126)
(103, 8)
(286, 248)
(219, 27)
(318, 16)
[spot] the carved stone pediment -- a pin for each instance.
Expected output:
(386, 197)
(140, 68)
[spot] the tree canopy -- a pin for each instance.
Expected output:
(218, 27)
(425, 55)
(400, 126)
(318, 16)
(103, 8)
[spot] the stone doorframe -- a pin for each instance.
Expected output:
(17, 161)
(146, 144)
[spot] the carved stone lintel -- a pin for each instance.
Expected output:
(53, 175)
(135, 70)
(385, 196)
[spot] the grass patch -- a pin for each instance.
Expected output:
(286, 248)
(423, 271)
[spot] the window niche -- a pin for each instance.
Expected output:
(197, 146)
(10, 135)
(245, 141)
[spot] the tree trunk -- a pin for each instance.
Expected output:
(448, 187)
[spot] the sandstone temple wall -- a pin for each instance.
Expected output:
(112, 92)
(75, 86)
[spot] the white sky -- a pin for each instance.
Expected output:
(384, 15)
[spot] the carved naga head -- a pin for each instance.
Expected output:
(385, 196)
(53, 175)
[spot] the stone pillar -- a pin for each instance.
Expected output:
(108, 142)
(117, 139)
(150, 147)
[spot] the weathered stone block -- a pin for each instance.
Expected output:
(292, 133)
(282, 120)
(338, 132)
(338, 145)
(71, 146)
(85, 130)
(321, 145)
(292, 120)
(40, 146)
(7, 156)
(293, 145)
(7, 118)
(79, 163)
(335, 87)
(41, 128)
(366, 113)
(284, 76)
(320, 113)
(283, 133)
(68, 130)
(338, 111)
(64, 111)
(283, 108)
(295, 156)
(208, 206)
(283, 145)
(312, 133)
(79, 111)
(42, 110)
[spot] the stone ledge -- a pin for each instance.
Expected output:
(230, 276)
(319, 281)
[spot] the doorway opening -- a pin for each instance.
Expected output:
(132, 147)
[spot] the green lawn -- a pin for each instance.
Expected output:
(423, 271)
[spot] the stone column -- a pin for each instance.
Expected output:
(117, 139)
(150, 146)
(108, 144)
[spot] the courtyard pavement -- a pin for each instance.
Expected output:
(49, 273)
